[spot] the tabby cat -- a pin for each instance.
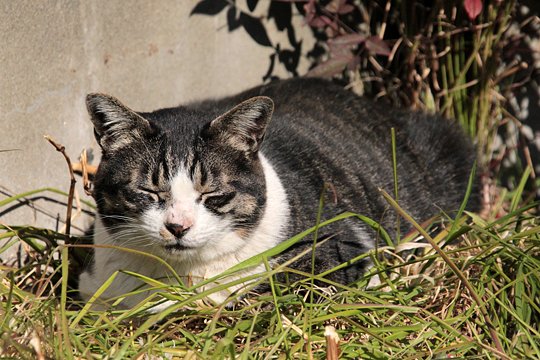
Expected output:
(197, 186)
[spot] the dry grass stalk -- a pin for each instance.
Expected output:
(332, 343)
(62, 149)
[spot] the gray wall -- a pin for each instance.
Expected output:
(149, 54)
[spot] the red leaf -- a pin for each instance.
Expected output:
(377, 46)
(334, 6)
(473, 8)
(353, 64)
(345, 9)
(330, 67)
(343, 44)
(339, 7)
(337, 50)
(348, 39)
(316, 22)
(310, 10)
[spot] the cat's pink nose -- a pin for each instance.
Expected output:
(176, 229)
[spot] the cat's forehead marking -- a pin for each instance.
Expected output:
(182, 187)
(174, 160)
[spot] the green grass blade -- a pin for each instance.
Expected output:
(518, 193)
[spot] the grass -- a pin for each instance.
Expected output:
(467, 287)
(472, 298)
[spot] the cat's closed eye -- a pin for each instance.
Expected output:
(155, 195)
(217, 200)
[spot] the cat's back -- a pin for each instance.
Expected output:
(327, 134)
(345, 136)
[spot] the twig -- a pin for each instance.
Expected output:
(86, 171)
(62, 149)
(385, 19)
(35, 342)
(332, 343)
(79, 168)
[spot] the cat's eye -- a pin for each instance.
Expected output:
(217, 200)
(155, 194)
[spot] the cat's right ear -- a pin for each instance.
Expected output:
(115, 125)
(243, 127)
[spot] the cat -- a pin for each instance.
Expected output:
(197, 186)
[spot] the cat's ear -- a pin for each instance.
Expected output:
(115, 125)
(244, 126)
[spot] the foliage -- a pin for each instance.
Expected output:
(464, 59)
(422, 309)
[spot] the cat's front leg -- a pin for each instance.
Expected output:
(106, 269)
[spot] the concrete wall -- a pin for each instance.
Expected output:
(149, 54)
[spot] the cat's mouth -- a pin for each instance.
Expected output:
(174, 243)
(177, 247)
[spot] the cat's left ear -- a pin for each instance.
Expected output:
(244, 126)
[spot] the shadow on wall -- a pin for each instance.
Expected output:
(367, 48)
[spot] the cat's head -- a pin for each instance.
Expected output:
(170, 181)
